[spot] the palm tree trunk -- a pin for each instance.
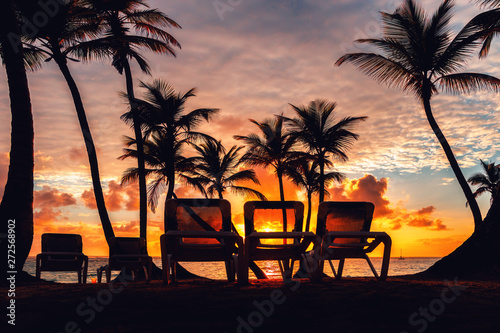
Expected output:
(321, 162)
(17, 201)
(89, 144)
(170, 193)
(476, 212)
(309, 209)
(282, 198)
(143, 195)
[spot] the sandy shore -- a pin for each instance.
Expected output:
(350, 305)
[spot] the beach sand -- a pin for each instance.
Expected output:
(400, 304)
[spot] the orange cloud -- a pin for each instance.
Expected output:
(117, 197)
(47, 200)
(368, 188)
(51, 197)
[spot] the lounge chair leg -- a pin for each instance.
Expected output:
(85, 269)
(108, 274)
(99, 275)
(79, 273)
(371, 266)
(341, 268)
(230, 270)
(38, 267)
(333, 268)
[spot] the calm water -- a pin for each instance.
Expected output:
(216, 270)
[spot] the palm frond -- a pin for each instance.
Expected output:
(468, 82)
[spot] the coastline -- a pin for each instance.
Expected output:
(400, 304)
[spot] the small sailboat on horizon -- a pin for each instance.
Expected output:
(401, 255)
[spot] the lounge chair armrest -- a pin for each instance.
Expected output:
(282, 234)
(356, 234)
(200, 234)
(75, 254)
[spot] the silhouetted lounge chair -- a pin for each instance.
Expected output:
(267, 236)
(344, 228)
(199, 230)
(127, 253)
(62, 252)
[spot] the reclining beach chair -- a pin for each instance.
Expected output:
(62, 252)
(127, 253)
(199, 230)
(344, 228)
(269, 236)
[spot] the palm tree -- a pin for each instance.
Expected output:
(217, 170)
(17, 201)
(489, 181)
(305, 174)
(161, 158)
(419, 55)
(169, 128)
(316, 129)
(117, 19)
(55, 39)
(274, 149)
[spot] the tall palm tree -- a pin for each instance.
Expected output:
(315, 127)
(419, 55)
(70, 25)
(305, 174)
(274, 149)
(169, 128)
(217, 170)
(17, 201)
(489, 181)
(118, 18)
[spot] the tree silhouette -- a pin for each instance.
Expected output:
(489, 181)
(217, 170)
(274, 149)
(315, 127)
(118, 18)
(71, 25)
(170, 128)
(419, 55)
(17, 201)
(305, 174)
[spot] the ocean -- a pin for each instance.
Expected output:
(216, 270)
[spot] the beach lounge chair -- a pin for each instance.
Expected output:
(62, 252)
(127, 253)
(269, 237)
(199, 230)
(344, 228)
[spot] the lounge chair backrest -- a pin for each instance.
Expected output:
(62, 243)
(198, 215)
(344, 216)
(268, 216)
(127, 245)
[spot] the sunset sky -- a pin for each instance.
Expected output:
(250, 59)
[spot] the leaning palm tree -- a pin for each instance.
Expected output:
(216, 171)
(489, 181)
(315, 127)
(419, 55)
(274, 149)
(169, 127)
(118, 18)
(17, 202)
(305, 174)
(71, 25)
